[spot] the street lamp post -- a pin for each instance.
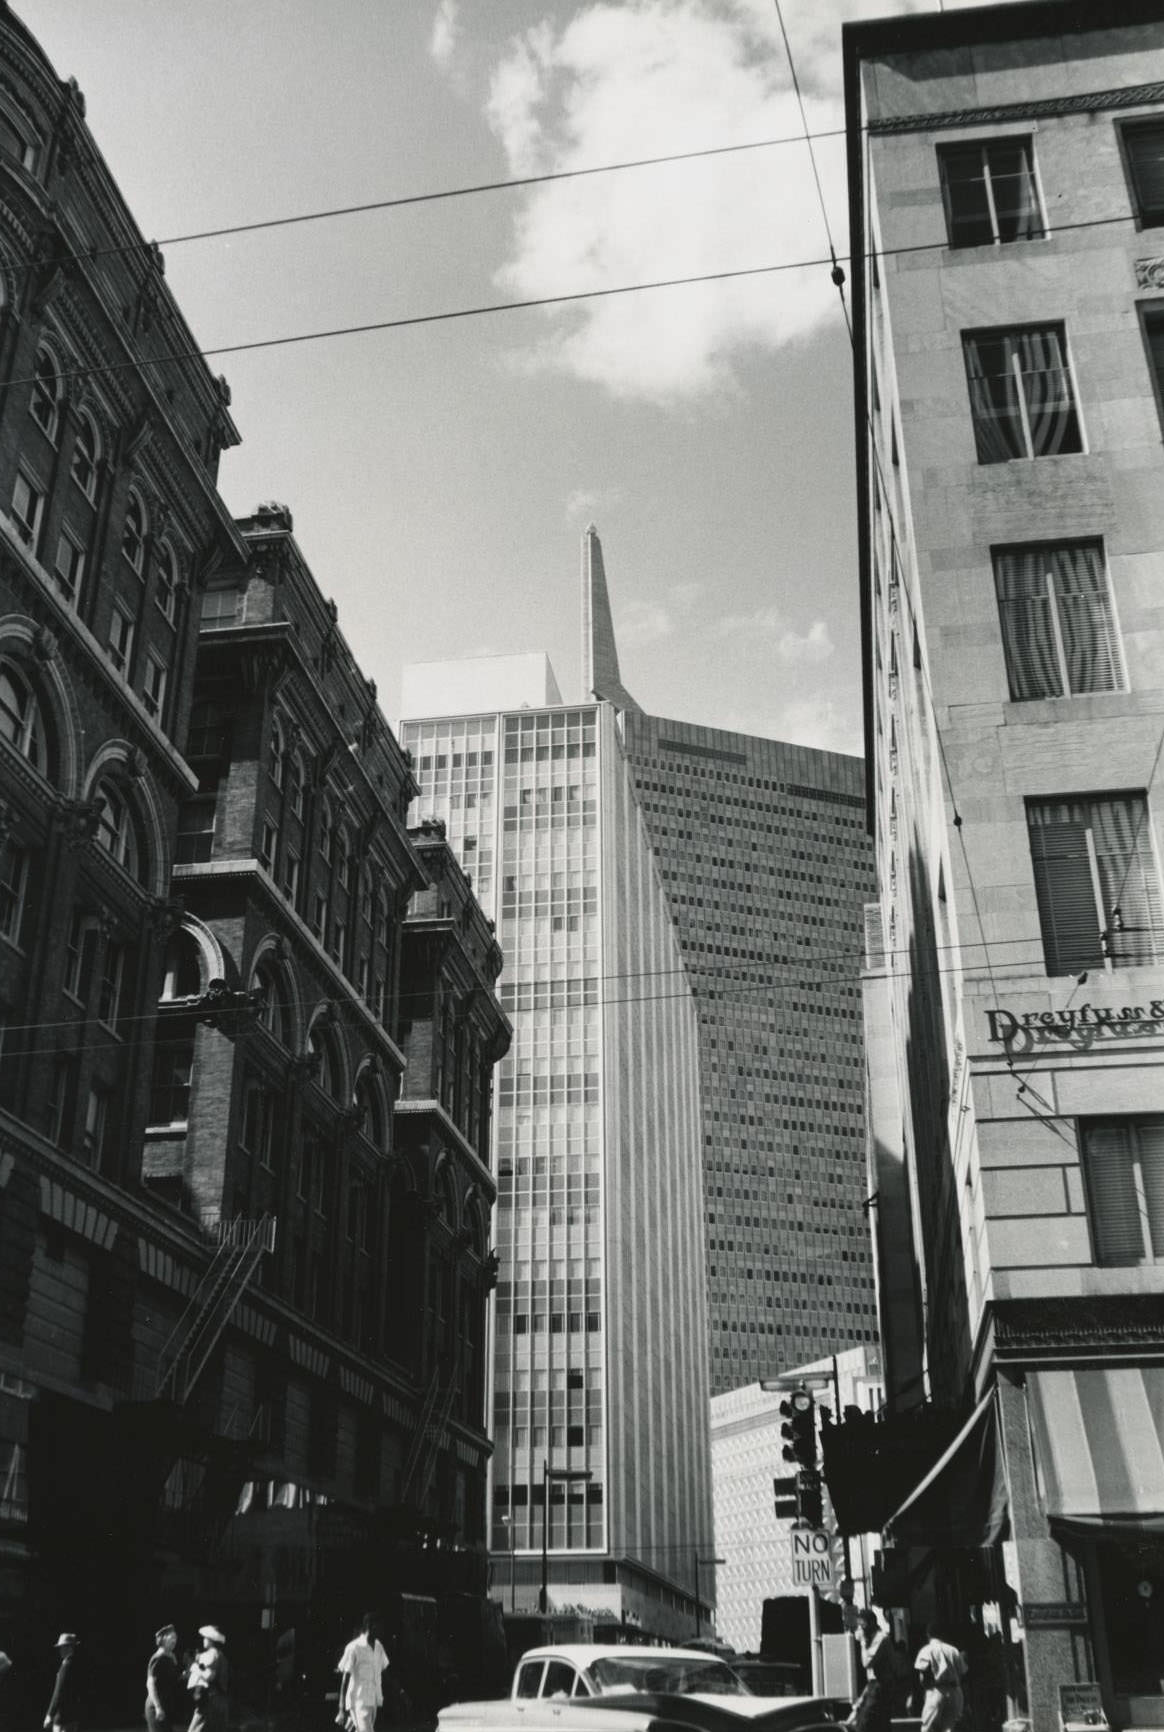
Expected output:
(698, 1603)
(549, 1474)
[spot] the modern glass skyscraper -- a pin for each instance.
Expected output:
(766, 863)
(600, 1370)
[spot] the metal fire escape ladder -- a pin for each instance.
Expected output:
(420, 1437)
(427, 1440)
(184, 1356)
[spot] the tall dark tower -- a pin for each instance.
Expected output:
(767, 864)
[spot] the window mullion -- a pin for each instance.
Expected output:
(1024, 417)
(989, 189)
(1057, 633)
(1097, 892)
(1151, 1250)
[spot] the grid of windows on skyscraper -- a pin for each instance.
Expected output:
(767, 864)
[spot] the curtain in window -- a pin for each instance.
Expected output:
(1127, 877)
(1064, 887)
(1150, 1133)
(1015, 375)
(1025, 606)
(1116, 1227)
(1046, 386)
(1011, 181)
(1057, 628)
(994, 400)
(1095, 872)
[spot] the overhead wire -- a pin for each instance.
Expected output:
(180, 357)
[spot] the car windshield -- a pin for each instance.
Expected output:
(673, 1674)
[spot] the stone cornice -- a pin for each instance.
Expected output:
(1108, 1328)
(1044, 108)
(450, 1131)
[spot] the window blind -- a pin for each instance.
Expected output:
(1058, 630)
(1124, 1167)
(1095, 882)
(1145, 148)
(1021, 395)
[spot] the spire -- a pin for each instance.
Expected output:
(600, 675)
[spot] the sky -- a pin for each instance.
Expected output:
(440, 476)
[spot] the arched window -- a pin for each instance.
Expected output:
(275, 1007)
(116, 831)
(326, 831)
(344, 851)
(276, 752)
(322, 1044)
(183, 967)
(46, 394)
(370, 1100)
(14, 143)
(297, 782)
(166, 592)
(133, 534)
(86, 455)
(21, 720)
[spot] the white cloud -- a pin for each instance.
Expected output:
(445, 30)
(643, 622)
(767, 630)
(589, 503)
(813, 720)
(648, 77)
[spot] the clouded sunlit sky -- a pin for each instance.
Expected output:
(440, 476)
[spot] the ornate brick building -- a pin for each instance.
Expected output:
(243, 1206)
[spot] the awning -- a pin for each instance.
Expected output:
(1099, 1445)
(962, 1499)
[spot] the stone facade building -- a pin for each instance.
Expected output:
(1006, 171)
(244, 1256)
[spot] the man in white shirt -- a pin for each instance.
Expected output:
(362, 1665)
(940, 1669)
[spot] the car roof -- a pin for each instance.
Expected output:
(584, 1653)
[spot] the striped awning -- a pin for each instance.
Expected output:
(1099, 1444)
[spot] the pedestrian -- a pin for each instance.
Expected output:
(64, 1709)
(208, 1682)
(873, 1709)
(940, 1669)
(362, 1667)
(167, 1703)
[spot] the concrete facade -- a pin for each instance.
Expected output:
(766, 862)
(599, 1340)
(1015, 1043)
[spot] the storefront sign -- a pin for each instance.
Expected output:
(1081, 1026)
(1055, 1615)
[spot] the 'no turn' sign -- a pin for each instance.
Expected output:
(813, 1563)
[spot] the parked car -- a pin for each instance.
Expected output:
(576, 1687)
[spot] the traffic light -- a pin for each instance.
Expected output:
(785, 1501)
(809, 1497)
(799, 1428)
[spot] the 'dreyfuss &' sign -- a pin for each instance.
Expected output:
(1083, 1026)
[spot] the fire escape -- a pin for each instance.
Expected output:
(420, 1463)
(183, 1358)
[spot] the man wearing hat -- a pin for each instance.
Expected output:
(64, 1709)
(166, 1705)
(208, 1682)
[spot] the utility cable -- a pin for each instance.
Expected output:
(838, 274)
(420, 198)
(185, 356)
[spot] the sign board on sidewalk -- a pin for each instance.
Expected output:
(812, 1558)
